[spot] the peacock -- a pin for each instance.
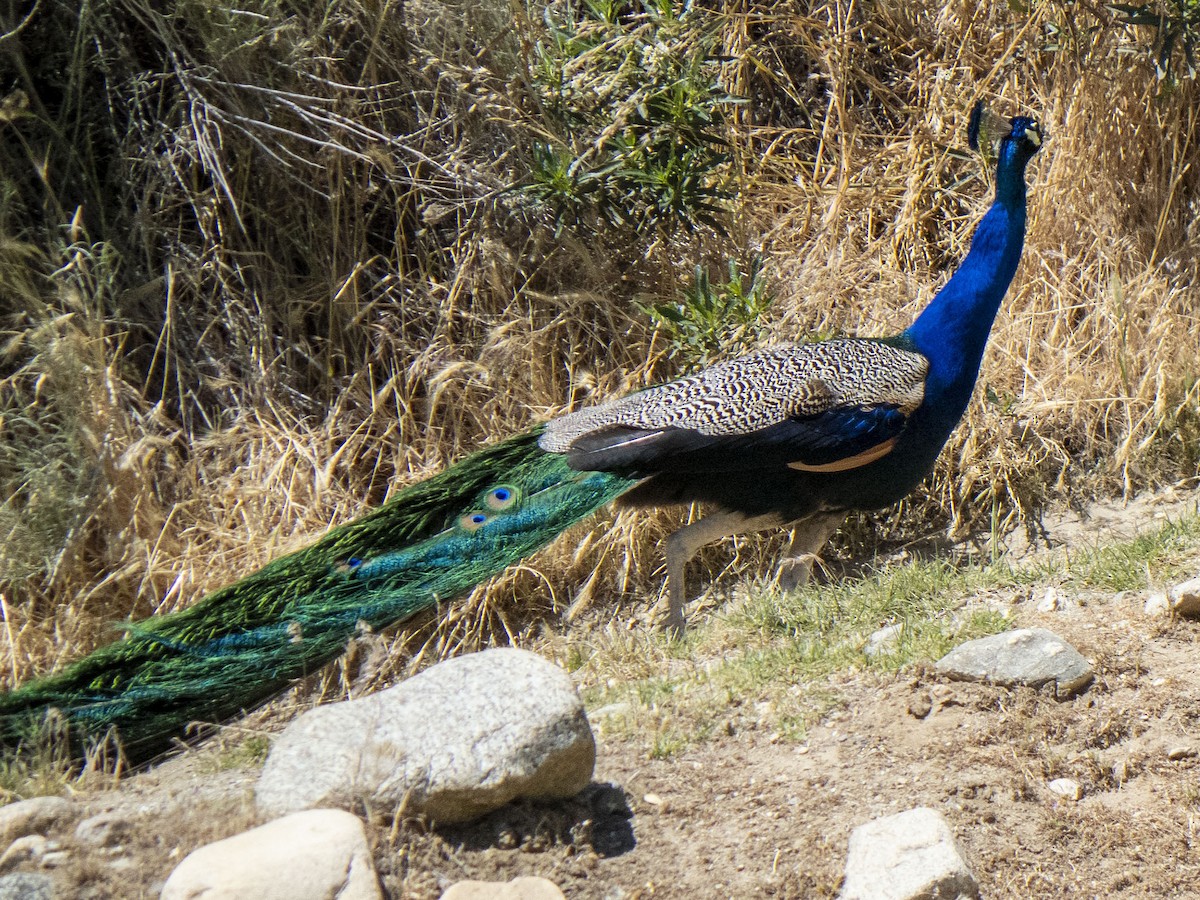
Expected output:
(797, 434)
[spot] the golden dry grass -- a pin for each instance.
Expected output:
(324, 291)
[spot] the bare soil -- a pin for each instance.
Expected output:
(750, 815)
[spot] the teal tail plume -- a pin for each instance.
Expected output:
(242, 644)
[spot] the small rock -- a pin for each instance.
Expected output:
(54, 859)
(31, 846)
(1066, 787)
(907, 856)
(1049, 602)
(26, 886)
(611, 711)
(312, 855)
(527, 888)
(1157, 604)
(884, 640)
(33, 815)
(1177, 753)
(1028, 656)
(920, 705)
(457, 741)
(1185, 598)
(104, 830)
(1120, 771)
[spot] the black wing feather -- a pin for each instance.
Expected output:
(834, 435)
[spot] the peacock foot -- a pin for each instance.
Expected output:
(795, 571)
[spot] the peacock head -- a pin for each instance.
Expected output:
(1025, 137)
(1020, 137)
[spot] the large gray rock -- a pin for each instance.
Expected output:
(313, 855)
(26, 886)
(453, 743)
(1028, 656)
(908, 856)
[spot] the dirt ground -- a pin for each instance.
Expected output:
(749, 815)
(743, 817)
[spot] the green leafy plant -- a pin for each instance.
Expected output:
(1176, 28)
(713, 317)
(634, 98)
(1172, 26)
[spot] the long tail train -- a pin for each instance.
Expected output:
(243, 643)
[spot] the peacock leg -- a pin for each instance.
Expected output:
(683, 544)
(808, 538)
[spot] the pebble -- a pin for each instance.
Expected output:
(31, 846)
(1120, 771)
(1066, 787)
(921, 705)
(1157, 604)
(103, 830)
(611, 711)
(526, 888)
(884, 640)
(1049, 602)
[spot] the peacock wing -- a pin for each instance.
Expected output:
(823, 406)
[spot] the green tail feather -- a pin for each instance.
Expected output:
(242, 644)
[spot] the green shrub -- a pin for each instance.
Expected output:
(1175, 27)
(635, 98)
(709, 318)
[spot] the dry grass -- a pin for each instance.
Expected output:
(286, 277)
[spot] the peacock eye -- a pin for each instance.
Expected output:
(473, 521)
(349, 565)
(501, 498)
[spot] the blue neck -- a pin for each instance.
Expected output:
(953, 330)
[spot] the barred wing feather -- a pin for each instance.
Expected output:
(821, 406)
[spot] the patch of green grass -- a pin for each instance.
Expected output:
(248, 754)
(22, 778)
(667, 743)
(826, 628)
(43, 767)
(654, 691)
(766, 665)
(1162, 555)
